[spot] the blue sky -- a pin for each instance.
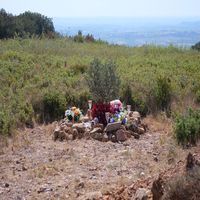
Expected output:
(105, 8)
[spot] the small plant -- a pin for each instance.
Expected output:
(187, 127)
(160, 95)
(54, 106)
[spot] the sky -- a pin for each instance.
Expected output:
(105, 8)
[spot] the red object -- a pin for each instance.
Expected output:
(99, 110)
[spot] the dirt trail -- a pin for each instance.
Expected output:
(36, 167)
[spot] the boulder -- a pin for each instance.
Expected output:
(123, 127)
(135, 115)
(97, 134)
(85, 119)
(135, 135)
(121, 135)
(80, 127)
(132, 127)
(96, 130)
(99, 126)
(75, 133)
(56, 133)
(69, 124)
(59, 135)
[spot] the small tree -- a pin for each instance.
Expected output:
(103, 81)
(196, 46)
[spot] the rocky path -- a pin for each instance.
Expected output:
(36, 167)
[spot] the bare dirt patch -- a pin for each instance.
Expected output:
(33, 166)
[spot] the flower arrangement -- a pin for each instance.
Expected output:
(118, 116)
(73, 113)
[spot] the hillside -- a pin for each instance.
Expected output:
(33, 70)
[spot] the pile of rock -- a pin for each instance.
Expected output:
(69, 131)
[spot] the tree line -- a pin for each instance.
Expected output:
(24, 25)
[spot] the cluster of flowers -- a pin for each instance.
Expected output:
(118, 116)
(73, 114)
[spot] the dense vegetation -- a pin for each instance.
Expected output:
(187, 127)
(38, 76)
(25, 25)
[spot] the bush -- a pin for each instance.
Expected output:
(137, 103)
(140, 105)
(196, 46)
(198, 96)
(127, 96)
(54, 106)
(5, 123)
(160, 96)
(187, 127)
(103, 81)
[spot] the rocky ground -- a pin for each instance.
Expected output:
(34, 166)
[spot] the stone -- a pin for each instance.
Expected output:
(96, 130)
(69, 137)
(56, 133)
(113, 138)
(105, 138)
(128, 134)
(80, 127)
(75, 133)
(85, 119)
(62, 136)
(68, 130)
(99, 126)
(123, 127)
(97, 136)
(157, 189)
(59, 135)
(121, 135)
(113, 127)
(141, 194)
(92, 196)
(190, 161)
(135, 114)
(69, 124)
(140, 130)
(132, 127)
(135, 135)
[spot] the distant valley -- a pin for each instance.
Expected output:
(135, 32)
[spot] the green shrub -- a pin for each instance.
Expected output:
(187, 127)
(160, 95)
(138, 104)
(127, 96)
(198, 96)
(196, 46)
(54, 106)
(5, 123)
(103, 81)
